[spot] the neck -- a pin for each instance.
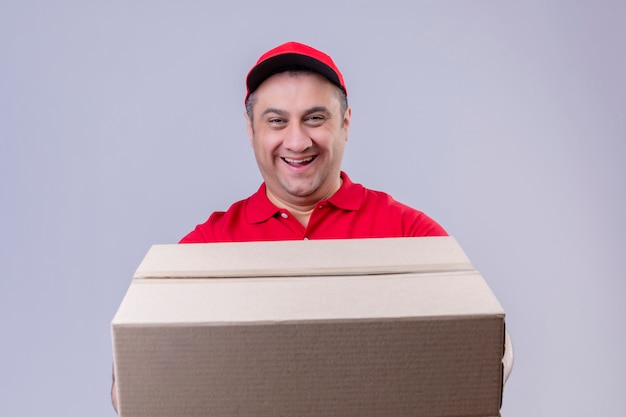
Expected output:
(300, 209)
(303, 215)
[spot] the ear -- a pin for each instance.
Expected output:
(346, 120)
(249, 127)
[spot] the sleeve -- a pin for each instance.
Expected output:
(426, 226)
(195, 236)
(206, 232)
(423, 225)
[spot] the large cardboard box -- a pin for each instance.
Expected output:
(373, 327)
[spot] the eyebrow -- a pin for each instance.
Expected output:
(274, 110)
(284, 113)
(317, 109)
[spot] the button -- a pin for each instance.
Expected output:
(306, 238)
(284, 215)
(320, 206)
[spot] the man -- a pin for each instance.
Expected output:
(298, 120)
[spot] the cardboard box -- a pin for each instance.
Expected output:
(372, 327)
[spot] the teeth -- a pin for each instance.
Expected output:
(299, 161)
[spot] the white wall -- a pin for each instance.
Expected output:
(121, 125)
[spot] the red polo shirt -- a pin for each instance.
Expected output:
(352, 212)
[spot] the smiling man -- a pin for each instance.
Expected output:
(298, 121)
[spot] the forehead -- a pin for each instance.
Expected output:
(297, 87)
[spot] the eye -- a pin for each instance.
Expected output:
(276, 122)
(315, 120)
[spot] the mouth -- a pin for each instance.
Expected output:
(299, 162)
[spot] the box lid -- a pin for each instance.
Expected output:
(306, 257)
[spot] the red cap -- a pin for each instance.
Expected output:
(289, 55)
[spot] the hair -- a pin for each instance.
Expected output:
(297, 70)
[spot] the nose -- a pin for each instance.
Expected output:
(297, 138)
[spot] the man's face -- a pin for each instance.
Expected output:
(298, 135)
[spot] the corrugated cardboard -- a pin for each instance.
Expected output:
(376, 327)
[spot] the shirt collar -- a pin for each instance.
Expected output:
(349, 197)
(259, 208)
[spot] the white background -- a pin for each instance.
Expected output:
(121, 125)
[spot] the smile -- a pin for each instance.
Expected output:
(304, 161)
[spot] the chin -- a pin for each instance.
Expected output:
(300, 188)
(300, 193)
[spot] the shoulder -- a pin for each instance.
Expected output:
(411, 221)
(217, 226)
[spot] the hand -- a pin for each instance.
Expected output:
(507, 359)
(114, 393)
